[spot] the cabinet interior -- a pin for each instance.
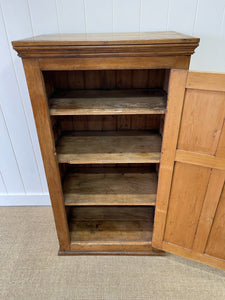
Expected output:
(108, 129)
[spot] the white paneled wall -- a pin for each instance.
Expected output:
(22, 178)
(98, 15)
(154, 15)
(126, 15)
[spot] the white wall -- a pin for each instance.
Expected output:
(22, 178)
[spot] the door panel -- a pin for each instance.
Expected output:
(220, 152)
(190, 217)
(208, 209)
(202, 120)
(216, 242)
(187, 195)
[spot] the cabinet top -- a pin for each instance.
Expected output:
(74, 44)
(157, 37)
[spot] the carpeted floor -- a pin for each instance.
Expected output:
(31, 269)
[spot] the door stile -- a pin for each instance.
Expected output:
(176, 92)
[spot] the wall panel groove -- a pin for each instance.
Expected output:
(8, 165)
(3, 189)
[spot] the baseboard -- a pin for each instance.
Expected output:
(24, 199)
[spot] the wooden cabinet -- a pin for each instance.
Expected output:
(133, 144)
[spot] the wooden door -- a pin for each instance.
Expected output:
(190, 207)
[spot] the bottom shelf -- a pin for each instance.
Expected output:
(111, 230)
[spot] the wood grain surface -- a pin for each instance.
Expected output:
(111, 186)
(109, 147)
(113, 102)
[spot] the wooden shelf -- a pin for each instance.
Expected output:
(111, 102)
(111, 228)
(111, 186)
(111, 224)
(109, 147)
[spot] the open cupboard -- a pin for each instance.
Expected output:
(133, 144)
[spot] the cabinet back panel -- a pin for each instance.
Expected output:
(104, 123)
(104, 79)
(65, 168)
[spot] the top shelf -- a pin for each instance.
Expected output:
(108, 102)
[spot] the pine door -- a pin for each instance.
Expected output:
(190, 207)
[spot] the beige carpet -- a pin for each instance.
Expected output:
(31, 269)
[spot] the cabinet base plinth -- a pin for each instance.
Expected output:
(139, 253)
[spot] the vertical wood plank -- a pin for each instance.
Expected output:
(126, 15)
(108, 79)
(92, 79)
(66, 123)
(152, 122)
(80, 123)
(98, 15)
(220, 151)
(156, 78)
(161, 126)
(212, 199)
(71, 16)
(140, 79)
(49, 83)
(166, 81)
(187, 196)
(124, 79)
(60, 79)
(56, 128)
(94, 122)
(208, 210)
(123, 122)
(43, 123)
(138, 122)
(172, 122)
(76, 79)
(216, 242)
(109, 122)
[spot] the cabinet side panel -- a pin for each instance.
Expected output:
(40, 109)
